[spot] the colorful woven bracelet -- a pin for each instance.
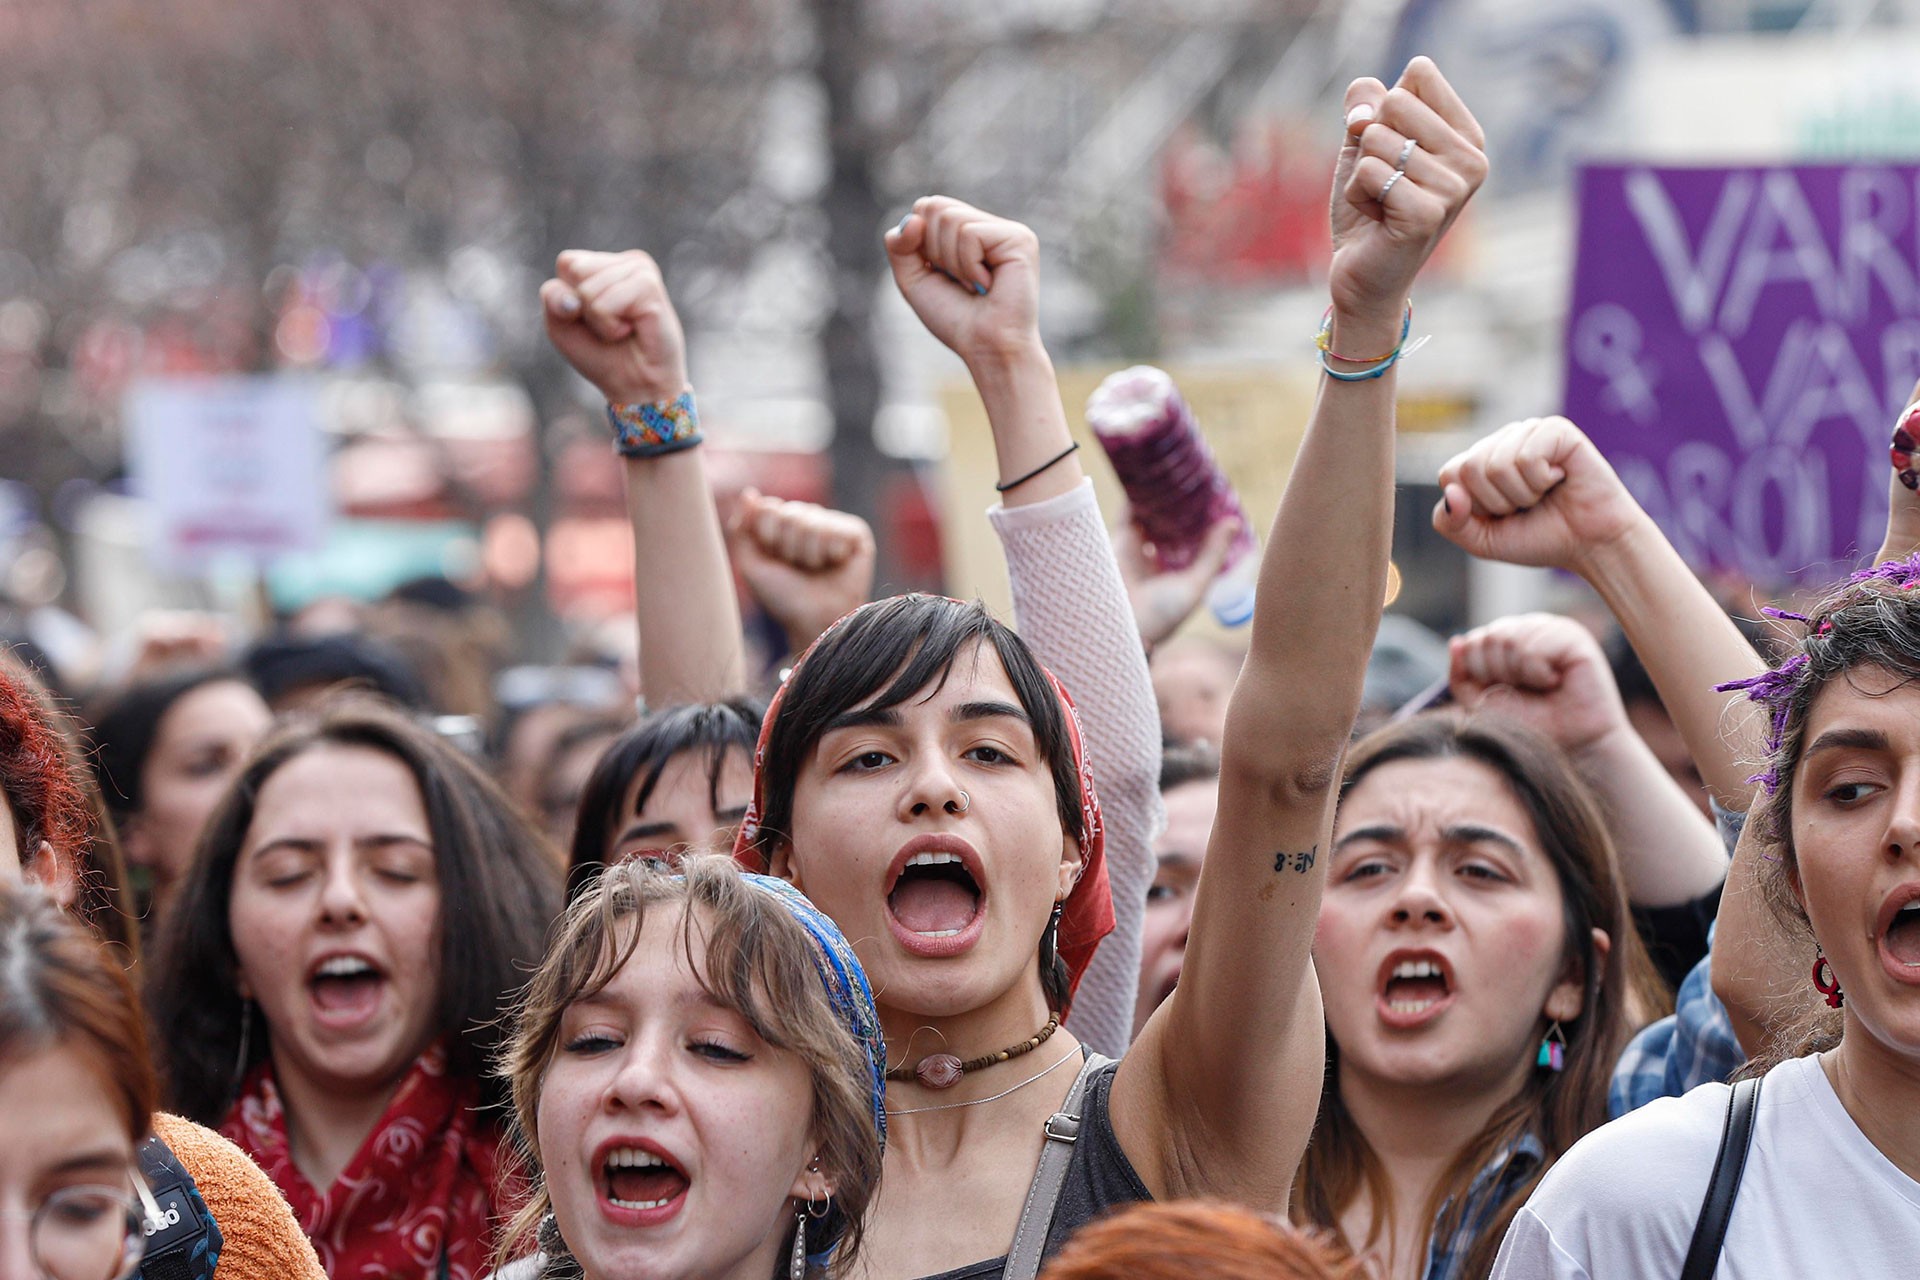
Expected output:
(1324, 339)
(649, 430)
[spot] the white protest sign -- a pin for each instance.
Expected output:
(229, 467)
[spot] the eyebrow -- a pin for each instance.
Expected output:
(1460, 833)
(644, 830)
(1842, 739)
(307, 844)
(889, 717)
(100, 1159)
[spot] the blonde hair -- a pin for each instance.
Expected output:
(750, 954)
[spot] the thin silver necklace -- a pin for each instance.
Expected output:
(975, 1102)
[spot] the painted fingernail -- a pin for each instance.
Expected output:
(902, 224)
(1361, 111)
(567, 304)
(980, 289)
(1911, 479)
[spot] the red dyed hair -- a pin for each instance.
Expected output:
(52, 797)
(1190, 1238)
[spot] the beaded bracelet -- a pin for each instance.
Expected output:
(649, 430)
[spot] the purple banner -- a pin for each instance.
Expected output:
(1739, 343)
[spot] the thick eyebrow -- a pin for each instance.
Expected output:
(988, 711)
(1385, 832)
(646, 830)
(1463, 833)
(734, 814)
(862, 718)
(1841, 739)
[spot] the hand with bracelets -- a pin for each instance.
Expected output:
(610, 316)
(1413, 156)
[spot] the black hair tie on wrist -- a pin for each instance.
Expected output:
(1057, 458)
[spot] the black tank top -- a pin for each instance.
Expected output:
(1099, 1178)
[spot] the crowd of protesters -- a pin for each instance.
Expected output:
(968, 949)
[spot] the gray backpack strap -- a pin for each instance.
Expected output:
(1043, 1197)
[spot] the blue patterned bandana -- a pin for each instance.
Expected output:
(846, 984)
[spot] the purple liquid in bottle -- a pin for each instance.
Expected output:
(1175, 487)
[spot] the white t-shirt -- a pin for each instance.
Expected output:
(1817, 1198)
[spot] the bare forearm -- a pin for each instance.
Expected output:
(1669, 853)
(690, 643)
(1688, 645)
(1323, 578)
(1022, 399)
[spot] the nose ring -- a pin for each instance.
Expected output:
(966, 803)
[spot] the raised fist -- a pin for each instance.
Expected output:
(807, 565)
(972, 278)
(609, 315)
(1546, 671)
(1534, 492)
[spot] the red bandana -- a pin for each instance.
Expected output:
(1086, 916)
(421, 1186)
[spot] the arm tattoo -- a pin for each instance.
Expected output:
(1300, 862)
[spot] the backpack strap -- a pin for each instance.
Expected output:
(1710, 1232)
(183, 1241)
(1043, 1196)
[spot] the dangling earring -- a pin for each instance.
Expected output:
(1553, 1050)
(1828, 986)
(797, 1260)
(246, 1041)
(1050, 941)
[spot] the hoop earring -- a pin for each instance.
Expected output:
(1553, 1050)
(826, 1207)
(797, 1260)
(1828, 986)
(246, 1041)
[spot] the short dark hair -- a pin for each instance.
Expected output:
(499, 887)
(712, 729)
(880, 656)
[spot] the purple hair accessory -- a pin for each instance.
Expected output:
(1784, 615)
(1774, 690)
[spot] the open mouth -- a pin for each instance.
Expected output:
(346, 988)
(935, 897)
(639, 1181)
(1414, 988)
(1902, 938)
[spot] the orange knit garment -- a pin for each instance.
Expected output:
(263, 1241)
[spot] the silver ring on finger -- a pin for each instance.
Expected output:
(1397, 175)
(1406, 153)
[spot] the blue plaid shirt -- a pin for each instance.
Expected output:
(1696, 1044)
(1491, 1187)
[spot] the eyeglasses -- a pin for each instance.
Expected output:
(88, 1233)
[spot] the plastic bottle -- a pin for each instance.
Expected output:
(1175, 487)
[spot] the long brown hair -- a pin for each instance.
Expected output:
(499, 887)
(1555, 1108)
(60, 986)
(752, 957)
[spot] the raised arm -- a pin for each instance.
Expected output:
(1753, 975)
(609, 315)
(1069, 602)
(1548, 673)
(1538, 493)
(1221, 1090)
